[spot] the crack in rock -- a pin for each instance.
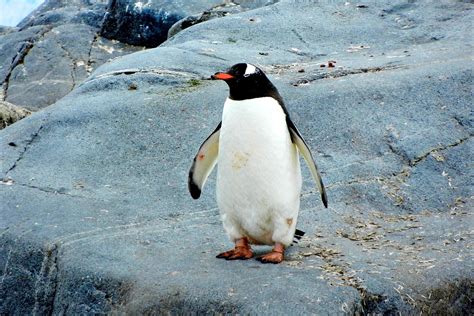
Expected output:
(61, 191)
(299, 37)
(391, 136)
(5, 268)
(19, 58)
(73, 61)
(133, 71)
(337, 73)
(46, 282)
(89, 67)
(420, 158)
(460, 121)
(212, 56)
(153, 71)
(89, 58)
(25, 148)
(399, 153)
(375, 179)
(392, 184)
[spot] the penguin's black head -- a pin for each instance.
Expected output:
(246, 81)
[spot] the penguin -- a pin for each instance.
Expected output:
(255, 147)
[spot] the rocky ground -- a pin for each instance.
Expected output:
(95, 214)
(61, 43)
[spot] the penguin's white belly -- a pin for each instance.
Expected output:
(259, 176)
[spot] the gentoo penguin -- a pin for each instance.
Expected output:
(259, 182)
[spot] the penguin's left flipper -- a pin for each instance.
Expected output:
(304, 150)
(203, 163)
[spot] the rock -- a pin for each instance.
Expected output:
(7, 29)
(54, 65)
(13, 48)
(194, 19)
(10, 113)
(60, 12)
(54, 49)
(50, 67)
(217, 11)
(146, 24)
(96, 217)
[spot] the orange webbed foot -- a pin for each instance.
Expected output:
(242, 251)
(271, 257)
(236, 254)
(275, 256)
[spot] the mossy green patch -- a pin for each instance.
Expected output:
(194, 82)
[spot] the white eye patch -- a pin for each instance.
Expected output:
(249, 70)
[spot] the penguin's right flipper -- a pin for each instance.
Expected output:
(203, 163)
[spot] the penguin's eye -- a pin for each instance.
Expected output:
(246, 75)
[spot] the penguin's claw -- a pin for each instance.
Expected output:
(271, 257)
(239, 253)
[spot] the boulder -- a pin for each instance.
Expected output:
(217, 11)
(52, 50)
(146, 24)
(96, 217)
(60, 12)
(10, 113)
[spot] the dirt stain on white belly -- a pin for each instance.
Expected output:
(240, 160)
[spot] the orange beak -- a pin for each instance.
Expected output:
(221, 76)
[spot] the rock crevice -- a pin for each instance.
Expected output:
(46, 282)
(27, 145)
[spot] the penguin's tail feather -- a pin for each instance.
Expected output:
(298, 235)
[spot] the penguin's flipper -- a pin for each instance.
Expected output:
(304, 150)
(203, 163)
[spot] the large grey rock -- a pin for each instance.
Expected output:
(55, 48)
(147, 23)
(95, 213)
(58, 12)
(213, 13)
(218, 11)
